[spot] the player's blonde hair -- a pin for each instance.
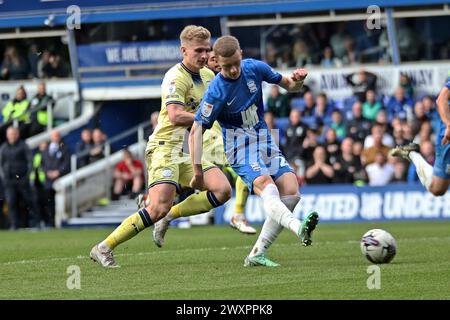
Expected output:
(191, 33)
(226, 46)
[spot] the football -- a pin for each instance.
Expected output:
(378, 246)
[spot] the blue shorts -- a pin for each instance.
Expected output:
(276, 167)
(442, 161)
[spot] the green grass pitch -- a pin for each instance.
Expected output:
(207, 263)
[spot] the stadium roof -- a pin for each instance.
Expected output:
(32, 13)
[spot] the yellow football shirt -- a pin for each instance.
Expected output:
(185, 88)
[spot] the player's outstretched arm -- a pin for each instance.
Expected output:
(196, 152)
(295, 82)
(444, 112)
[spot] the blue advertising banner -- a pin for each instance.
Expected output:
(113, 54)
(344, 203)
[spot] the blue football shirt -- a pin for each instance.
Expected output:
(238, 106)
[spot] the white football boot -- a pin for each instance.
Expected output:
(239, 222)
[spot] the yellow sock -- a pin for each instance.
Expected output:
(129, 227)
(241, 196)
(195, 204)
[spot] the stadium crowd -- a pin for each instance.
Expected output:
(347, 141)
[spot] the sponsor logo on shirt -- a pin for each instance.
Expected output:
(207, 109)
(172, 87)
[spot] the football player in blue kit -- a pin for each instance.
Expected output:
(234, 99)
(435, 179)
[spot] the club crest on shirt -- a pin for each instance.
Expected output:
(167, 173)
(252, 86)
(207, 109)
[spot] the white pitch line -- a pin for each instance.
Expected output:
(207, 249)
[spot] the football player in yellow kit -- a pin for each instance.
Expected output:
(169, 167)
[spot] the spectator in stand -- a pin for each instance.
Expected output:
(337, 40)
(309, 109)
(55, 68)
(271, 54)
(431, 112)
(351, 56)
(309, 144)
(153, 123)
(338, 125)
(406, 84)
(17, 110)
(278, 103)
(295, 135)
(83, 147)
(368, 155)
(301, 55)
(97, 151)
(328, 59)
(419, 116)
(361, 82)
(38, 109)
(13, 67)
(322, 111)
(128, 176)
(33, 59)
(380, 172)
(400, 106)
(358, 127)
(319, 171)
(398, 136)
(331, 145)
(427, 152)
(381, 119)
(371, 106)
(378, 129)
(55, 163)
(425, 133)
(357, 149)
(399, 171)
(408, 133)
(284, 61)
(347, 164)
(37, 180)
(15, 169)
(44, 61)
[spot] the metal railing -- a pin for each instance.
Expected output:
(83, 187)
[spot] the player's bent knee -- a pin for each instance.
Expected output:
(158, 211)
(223, 194)
(290, 201)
